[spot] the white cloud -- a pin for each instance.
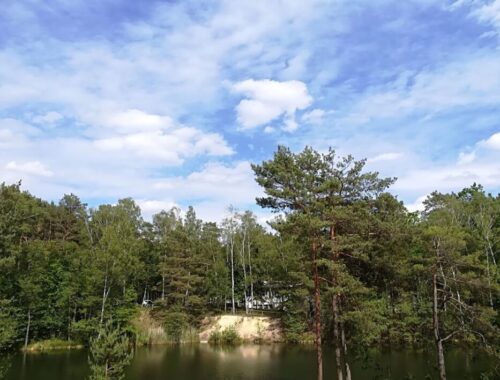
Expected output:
(458, 4)
(489, 13)
(466, 157)
(314, 117)
(135, 120)
(15, 130)
(480, 148)
(166, 62)
(471, 82)
(289, 124)
(151, 207)
(157, 137)
(50, 117)
(211, 189)
(449, 177)
(417, 205)
(493, 142)
(390, 156)
(117, 97)
(268, 129)
(167, 147)
(5, 135)
(30, 167)
(155, 206)
(268, 100)
(419, 174)
(231, 183)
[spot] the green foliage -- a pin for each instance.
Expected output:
(109, 354)
(82, 330)
(295, 328)
(227, 336)
(176, 323)
(65, 269)
(8, 325)
(5, 364)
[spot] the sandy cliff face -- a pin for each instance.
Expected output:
(249, 328)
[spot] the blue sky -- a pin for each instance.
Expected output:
(169, 101)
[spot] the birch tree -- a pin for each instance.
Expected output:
(230, 225)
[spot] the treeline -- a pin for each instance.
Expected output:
(66, 269)
(376, 273)
(344, 262)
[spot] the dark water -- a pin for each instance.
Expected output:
(274, 362)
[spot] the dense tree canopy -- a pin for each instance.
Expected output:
(344, 262)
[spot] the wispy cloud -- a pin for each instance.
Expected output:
(390, 156)
(161, 100)
(30, 167)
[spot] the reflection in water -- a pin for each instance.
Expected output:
(262, 353)
(247, 362)
(5, 363)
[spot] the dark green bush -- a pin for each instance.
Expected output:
(227, 336)
(175, 323)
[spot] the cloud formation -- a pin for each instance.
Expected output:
(489, 13)
(163, 101)
(266, 100)
(492, 142)
(31, 167)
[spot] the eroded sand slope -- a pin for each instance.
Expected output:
(249, 328)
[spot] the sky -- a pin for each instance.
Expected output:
(169, 102)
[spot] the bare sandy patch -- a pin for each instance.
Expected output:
(249, 328)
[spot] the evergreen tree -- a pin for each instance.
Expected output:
(109, 354)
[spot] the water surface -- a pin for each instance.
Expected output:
(248, 362)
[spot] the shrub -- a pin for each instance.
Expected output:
(82, 330)
(295, 328)
(227, 336)
(175, 323)
(110, 354)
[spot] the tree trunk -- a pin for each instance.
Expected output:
(336, 337)
(186, 295)
(437, 337)
(317, 311)
(163, 287)
(105, 293)
(344, 345)
(163, 278)
(336, 315)
(488, 276)
(69, 320)
(490, 249)
(26, 337)
(244, 272)
(233, 309)
(250, 270)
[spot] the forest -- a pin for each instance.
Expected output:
(350, 266)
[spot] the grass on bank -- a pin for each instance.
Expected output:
(52, 345)
(168, 328)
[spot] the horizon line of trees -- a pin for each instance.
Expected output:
(354, 268)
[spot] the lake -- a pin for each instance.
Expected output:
(247, 362)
